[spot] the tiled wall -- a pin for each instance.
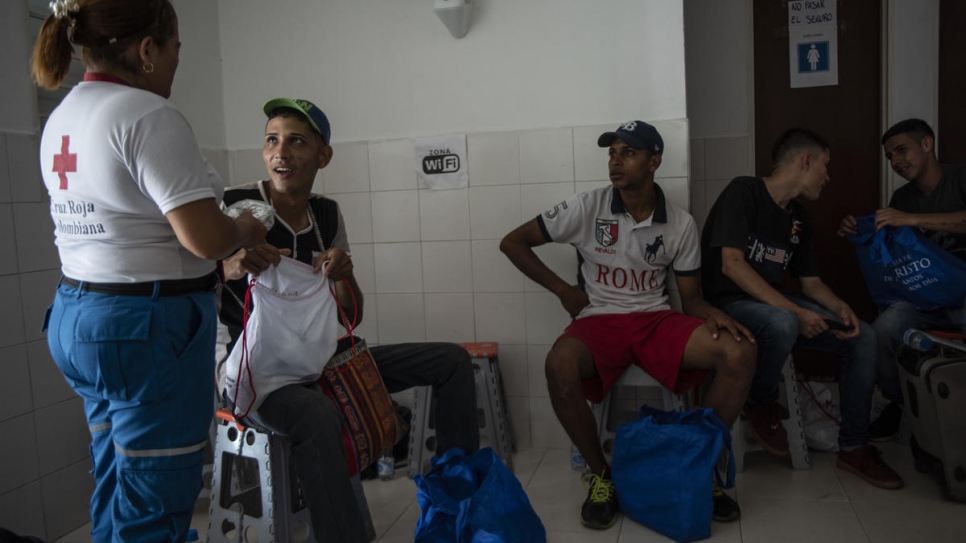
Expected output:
(714, 163)
(429, 262)
(44, 458)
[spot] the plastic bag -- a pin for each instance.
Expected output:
(900, 264)
(820, 416)
(474, 499)
(662, 470)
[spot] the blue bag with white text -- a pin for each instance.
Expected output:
(662, 470)
(474, 499)
(900, 264)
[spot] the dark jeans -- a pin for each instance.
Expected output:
(314, 426)
(776, 333)
(892, 324)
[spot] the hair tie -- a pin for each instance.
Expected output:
(64, 8)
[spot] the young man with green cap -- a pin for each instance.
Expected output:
(310, 228)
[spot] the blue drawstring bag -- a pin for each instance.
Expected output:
(474, 499)
(900, 264)
(662, 470)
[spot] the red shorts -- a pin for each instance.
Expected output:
(655, 341)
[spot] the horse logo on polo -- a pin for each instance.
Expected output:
(606, 232)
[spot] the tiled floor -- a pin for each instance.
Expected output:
(779, 505)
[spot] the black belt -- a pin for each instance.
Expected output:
(166, 287)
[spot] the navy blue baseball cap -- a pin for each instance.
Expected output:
(637, 134)
(318, 120)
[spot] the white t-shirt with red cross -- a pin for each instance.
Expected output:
(622, 263)
(115, 159)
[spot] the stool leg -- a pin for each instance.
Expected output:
(797, 447)
(420, 431)
(489, 397)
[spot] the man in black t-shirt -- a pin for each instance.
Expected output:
(755, 231)
(934, 201)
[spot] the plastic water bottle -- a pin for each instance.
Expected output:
(917, 339)
(386, 467)
(577, 462)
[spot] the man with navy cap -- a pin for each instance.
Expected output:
(628, 236)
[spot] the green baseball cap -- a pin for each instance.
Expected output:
(316, 117)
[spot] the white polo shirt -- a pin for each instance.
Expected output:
(622, 263)
(115, 159)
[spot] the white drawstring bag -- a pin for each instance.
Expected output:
(288, 338)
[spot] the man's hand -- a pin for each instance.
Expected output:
(848, 318)
(847, 226)
(253, 260)
(337, 262)
(892, 217)
(718, 319)
(574, 299)
(810, 323)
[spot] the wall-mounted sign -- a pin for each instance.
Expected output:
(441, 162)
(813, 44)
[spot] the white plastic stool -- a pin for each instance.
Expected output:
(491, 405)
(604, 411)
(797, 448)
(255, 494)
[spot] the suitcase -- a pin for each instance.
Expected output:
(934, 388)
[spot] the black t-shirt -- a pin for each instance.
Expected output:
(773, 239)
(326, 214)
(949, 197)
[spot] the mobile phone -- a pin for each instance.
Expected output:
(836, 325)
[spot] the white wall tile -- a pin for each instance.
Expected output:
(37, 293)
(449, 317)
(11, 318)
(47, 384)
(356, 210)
(245, 166)
(542, 197)
(494, 211)
(444, 214)
(545, 429)
(369, 327)
(513, 369)
(561, 258)
(519, 408)
(67, 494)
(18, 455)
(537, 370)
(546, 318)
(674, 161)
(726, 158)
(15, 398)
(392, 165)
(699, 210)
(587, 186)
(399, 267)
(500, 317)
(22, 510)
(8, 241)
(5, 197)
(447, 266)
(590, 161)
(713, 189)
(62, 435)
(364, 266)
(35, 238)
(395, 216)
(26, 183)
(218, 158)
(676, 191)
(348, 171)
(547, 156)
(494, 158)
(493, 271)
(401, 318)
(697, 159)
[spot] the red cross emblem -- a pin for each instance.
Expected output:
(64, 162)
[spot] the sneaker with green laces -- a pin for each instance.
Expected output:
(725, 507)
(600, 508)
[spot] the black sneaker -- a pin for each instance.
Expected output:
(600, 509)
(725, 507)
(886, 427)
